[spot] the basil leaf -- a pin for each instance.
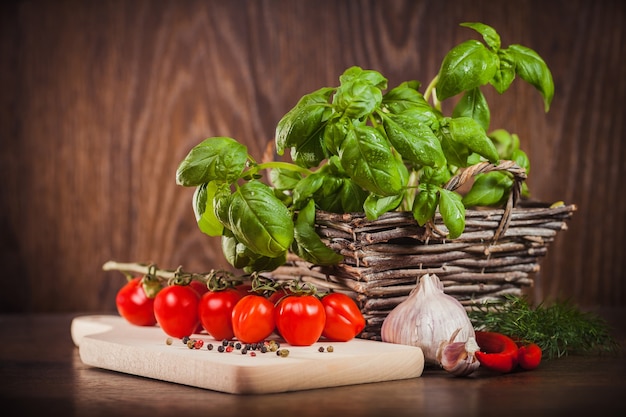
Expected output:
(406, 100)
(456, 153)
(307, 243)
(504, 142)
(338, 193)
(371, 77)
(213, 159)
(376, 205)
(309, 185)
(335, 133)
(533, 69)
(474, 105)
(357, 99)
(241, 257)
(265, 263)
(221, 203)
(467, 131)
(352, 196)
(284, 179)
(198, 201)
(489, 189)
(368, 159)
(327, 196)
(415, 141)
(331, 189)
(434, 176)
(259, 220)
(425, 203)
(304, 123)
(235, 252)
(521, 159)
(359, 92)
(505, 74)
(404, 96)
(465, 67)
(424, 114)
(491, 37)
(284, 196)
(452, 212)
(202, 202)
(309, 153)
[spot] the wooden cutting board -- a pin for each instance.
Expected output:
(110, 342)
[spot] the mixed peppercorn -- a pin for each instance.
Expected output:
(227, 346)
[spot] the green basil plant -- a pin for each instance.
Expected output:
(361, 147)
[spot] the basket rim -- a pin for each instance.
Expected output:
(528, 209)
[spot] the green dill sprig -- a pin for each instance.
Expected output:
(559, 329)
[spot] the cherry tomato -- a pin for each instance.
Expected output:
(344, 320)
(275, 297)
(244, 289)
(134, 305)
(176, 310)
(300, 319)
(279, 294)
(200, 287)
(253, 318)
(215, 312)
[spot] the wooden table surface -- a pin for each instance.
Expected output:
(42, 373)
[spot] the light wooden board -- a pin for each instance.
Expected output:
(109, 342)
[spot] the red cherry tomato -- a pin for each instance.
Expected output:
(279, 294)
(344, 320)
(253, 318)
(300, 319)
(244, 289)
(134, 305)
(215, 312)
(200, 287)
(176, 310)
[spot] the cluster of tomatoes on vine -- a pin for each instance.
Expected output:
(227, 307)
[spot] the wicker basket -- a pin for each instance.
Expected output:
(496, 255)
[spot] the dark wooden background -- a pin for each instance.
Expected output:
(100, 100)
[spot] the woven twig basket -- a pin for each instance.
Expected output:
(496, 255)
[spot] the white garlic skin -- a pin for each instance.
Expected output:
(427, 318)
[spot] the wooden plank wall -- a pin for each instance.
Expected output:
(100, 100)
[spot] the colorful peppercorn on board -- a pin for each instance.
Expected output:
(109, 342)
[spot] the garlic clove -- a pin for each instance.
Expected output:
(458, 358)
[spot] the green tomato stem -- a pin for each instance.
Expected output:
(167, 276)
(136, 268)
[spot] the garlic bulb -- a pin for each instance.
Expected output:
(428, 318)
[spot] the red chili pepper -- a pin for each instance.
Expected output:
(498, 352)
(529, 356)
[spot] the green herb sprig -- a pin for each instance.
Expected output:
(359, 147)
(559, 329)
